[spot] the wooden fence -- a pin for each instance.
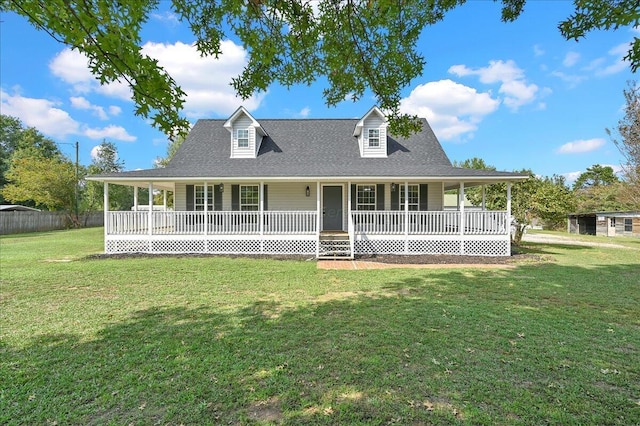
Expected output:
(23, 222)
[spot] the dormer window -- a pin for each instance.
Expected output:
(374, 138)
(242, 135)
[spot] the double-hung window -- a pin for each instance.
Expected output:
(373, 135)
(366, 197)
(249, 198)
(242, 135)
(414, 197)
(628, 225)
(199, 198)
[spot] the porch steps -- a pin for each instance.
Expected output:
(335, 245)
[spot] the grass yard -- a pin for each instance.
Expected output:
(213, 340)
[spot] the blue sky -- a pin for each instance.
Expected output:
(516, 95)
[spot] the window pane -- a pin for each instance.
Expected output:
(199, 198)
(243, 138)
(414, 197)
(628, 225)
(249, 197)
(374, 137)
(366, 197)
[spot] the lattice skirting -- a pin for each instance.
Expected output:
(212, 246)
(452, 247)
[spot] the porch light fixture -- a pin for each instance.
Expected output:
(393, 187)
(221, 187)
(308, 191)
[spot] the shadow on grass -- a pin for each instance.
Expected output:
(538, 344)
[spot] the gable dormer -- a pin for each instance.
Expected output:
(371, 131)
(246, 134)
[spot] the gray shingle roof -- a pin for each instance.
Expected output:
(307, 148)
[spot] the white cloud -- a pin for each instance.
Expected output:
(167, 17)
(205, 80)
(304, 112)
(571, 177)
(617, 52)
(82, 103)
(513, 85)
(110, 132)
(48, 118)
(452, 109)
(537, 50)
(571, 59)
(572, 79)
(42, 114)
(581, 146)
(72, 67)
(114, 110)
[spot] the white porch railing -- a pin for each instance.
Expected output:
(218, 223)
(430, 222)
(304, 223)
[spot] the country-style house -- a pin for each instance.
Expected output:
(323, 187)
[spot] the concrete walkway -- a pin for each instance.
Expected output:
(363, 265)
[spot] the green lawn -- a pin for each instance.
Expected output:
(213, 340)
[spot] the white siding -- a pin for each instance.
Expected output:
(180, 197)
(291, 196)
(435, 196)
(243, 122)
(373, 121)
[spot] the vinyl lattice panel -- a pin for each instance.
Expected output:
(487, 248)
(234, 246)
(434, 247)
(184, 246)
(379, 246)
(129, 246)
(289, 247)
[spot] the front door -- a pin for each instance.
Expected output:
(332, 208)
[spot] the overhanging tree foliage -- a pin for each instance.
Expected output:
(354, 45)
(628, 142)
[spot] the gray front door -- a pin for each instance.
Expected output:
(332, 208)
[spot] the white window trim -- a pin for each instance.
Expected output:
(238, 138)
(401, 200)
(241, 204)
(369, 138)
(375, 197)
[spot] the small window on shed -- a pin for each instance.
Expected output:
(613, 222)
(628, 225)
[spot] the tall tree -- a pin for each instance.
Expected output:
(354, 45)
(49, 182)
(553, 201)
(595, 175)
(25, 141)
(106, 161)
(172, 148)
(628, 142)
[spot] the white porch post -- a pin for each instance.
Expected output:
(261, 215)
(509, 209)
(106, 213)
(164, 199)
(462, 218)
(484, 195)
(406, 217)
(150, 215)
(318, 218)
(135, 198)
(206, 207)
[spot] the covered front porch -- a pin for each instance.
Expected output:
(392, 224)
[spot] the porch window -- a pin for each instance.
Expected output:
(374, 138)
(249, 195)
(414, 197)
(242, 135)
(628, 225)
(199, 197)
(366, 197)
